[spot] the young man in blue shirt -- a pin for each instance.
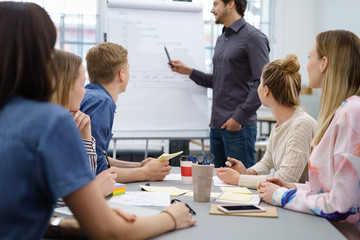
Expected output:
(108, 70)
(241, 52)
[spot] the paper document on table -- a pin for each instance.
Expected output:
(229, 197)
(139, 211)
(219, 183)
(173, 191)
(240, 190)
(212, 194)
(166, 156)
(173, 177)
(141, 198)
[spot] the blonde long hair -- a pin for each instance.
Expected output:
(67, 65)
(341, 78)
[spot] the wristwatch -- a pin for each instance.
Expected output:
(55, 226)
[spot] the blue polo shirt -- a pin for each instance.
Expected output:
(100, 106)
(42, 159)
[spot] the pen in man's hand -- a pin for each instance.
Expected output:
(106, 159)
(168, 56)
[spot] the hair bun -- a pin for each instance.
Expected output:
(290, 64)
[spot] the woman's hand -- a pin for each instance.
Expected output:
(181, 214)
(228, 175)
(106, 181)
(266, 191)
(236, 165)
(83, 124)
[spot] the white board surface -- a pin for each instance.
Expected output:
(157, 99)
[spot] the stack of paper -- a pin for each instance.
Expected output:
(240, 190)
(238, 195)
(141, 198)
(212, 194)
(119, 190)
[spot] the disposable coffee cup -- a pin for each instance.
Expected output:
(186, 170)
(202, 179)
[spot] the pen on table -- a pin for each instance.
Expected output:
(106, 159)
(232, 164)
(192, 158)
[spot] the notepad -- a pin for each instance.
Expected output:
(212, 194)
(165, 156)
(230, 197)
(239, 190)
(174, 191)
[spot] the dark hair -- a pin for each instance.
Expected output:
(240, 6)
(27, 40)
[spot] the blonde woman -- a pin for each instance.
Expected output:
(333, 190)
(70, 92)
(290, 141)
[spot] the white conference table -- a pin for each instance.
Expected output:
(289, 224)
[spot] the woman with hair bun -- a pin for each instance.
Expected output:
(333, 190)
(289, 144)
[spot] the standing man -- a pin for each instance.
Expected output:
(241, 52)
(108, 70)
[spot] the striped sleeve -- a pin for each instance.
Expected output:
(90, 147)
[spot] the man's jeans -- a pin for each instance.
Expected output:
(239, 145)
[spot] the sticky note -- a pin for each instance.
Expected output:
(119, 190)
(165, 156)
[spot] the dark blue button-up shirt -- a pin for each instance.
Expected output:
(240, 55)
(100, 107)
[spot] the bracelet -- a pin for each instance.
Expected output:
(173, 218)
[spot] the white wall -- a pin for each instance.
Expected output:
(336, 14)
(297, 22)
(293, 30)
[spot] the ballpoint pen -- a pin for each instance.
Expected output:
(106, 159)
(192, 158)
(190, 209)
(232, 164)
(272, 172)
